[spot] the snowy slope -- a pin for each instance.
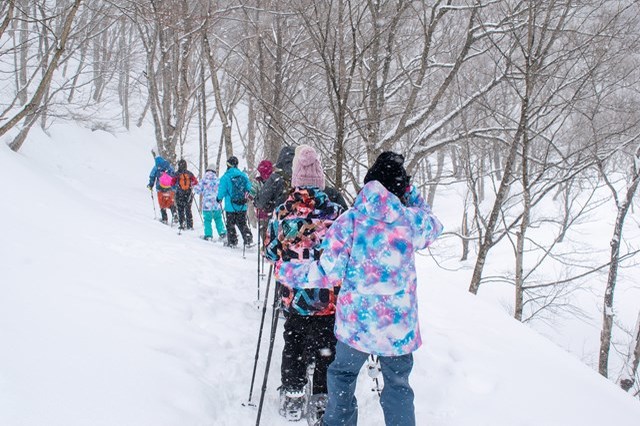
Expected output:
(107, 317)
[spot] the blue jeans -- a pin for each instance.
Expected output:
(396, 398)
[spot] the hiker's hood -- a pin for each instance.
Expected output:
(285, 159)
(161, 163)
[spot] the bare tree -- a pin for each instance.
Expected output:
(29, 113)
(622, 205)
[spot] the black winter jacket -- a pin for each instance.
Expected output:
(275, 189)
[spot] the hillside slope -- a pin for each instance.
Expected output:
(107, 317)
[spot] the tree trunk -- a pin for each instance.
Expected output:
(204, 144)
(465, 235)
(629, 376)
(7, 17)
(501, 196)
(520, 235)
(435, 179)
(36, 100)
(607, 314)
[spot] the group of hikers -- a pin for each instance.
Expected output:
(175, 191)
(346, 277)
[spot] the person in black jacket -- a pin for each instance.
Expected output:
(276, 188)
(184, 181)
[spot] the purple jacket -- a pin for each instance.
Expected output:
(370, 251)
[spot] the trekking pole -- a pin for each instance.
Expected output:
(272, 338)
(255, 362)
(153, 201)
(259, 261)
(198, 208)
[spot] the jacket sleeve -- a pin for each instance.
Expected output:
(331, 269)
(152, 176)
(271, 239)
(426, 225)
(336, 197)
(194, 180)
(265, 198)
(222, 188)
(197, 188)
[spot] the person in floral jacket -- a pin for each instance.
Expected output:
(370, 251)
(211, 208)
(294, 235)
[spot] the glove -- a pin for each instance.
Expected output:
(150, 187)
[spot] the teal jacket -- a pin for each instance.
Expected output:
(224, 190)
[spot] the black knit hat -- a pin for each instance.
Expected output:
(232, 161)
(389, 171)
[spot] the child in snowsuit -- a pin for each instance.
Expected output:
(234, 189)
(265, 168)
(211, 208)
(294, 235)
(184, 181)
(370, 251)
(162, 176)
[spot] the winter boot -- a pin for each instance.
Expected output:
(315, 408)
(292, 404)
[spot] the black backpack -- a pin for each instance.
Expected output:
(239, 189)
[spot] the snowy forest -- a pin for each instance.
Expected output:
(530, 109)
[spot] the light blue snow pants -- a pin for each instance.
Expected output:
(215, 215)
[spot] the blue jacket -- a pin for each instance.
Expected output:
(162, 165)
(224, 190)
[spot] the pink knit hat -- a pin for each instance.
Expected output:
(306, 169)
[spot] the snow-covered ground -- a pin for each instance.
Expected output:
(108, 317)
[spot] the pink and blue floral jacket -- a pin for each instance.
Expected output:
(370, 250)
(208, 187)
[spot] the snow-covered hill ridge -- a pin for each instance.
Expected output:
(108, 317)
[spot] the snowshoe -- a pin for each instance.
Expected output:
(315, 408)
(292, 404)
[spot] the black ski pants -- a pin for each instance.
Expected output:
(307, 339)
(183, 203)
(238, 219)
